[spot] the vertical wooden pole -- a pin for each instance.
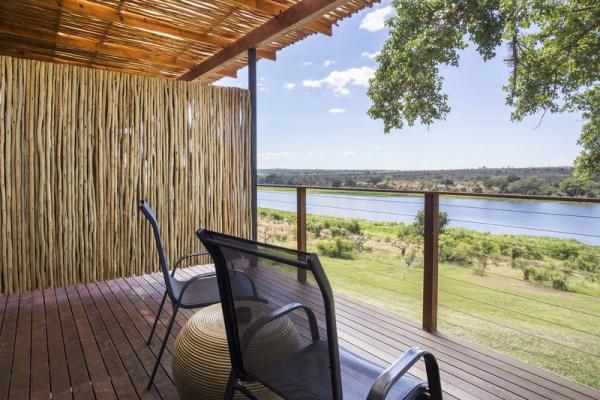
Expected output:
(253, 135)
(301, 226)
(430, 261)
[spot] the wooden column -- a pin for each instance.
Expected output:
(301, 226)
(253, 130)
(430, 261)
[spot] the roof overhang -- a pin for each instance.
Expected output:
(192, 39)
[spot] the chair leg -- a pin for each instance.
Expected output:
(164, 344)
(230, 389)
(162, 303)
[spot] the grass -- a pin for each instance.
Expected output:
(553, 329)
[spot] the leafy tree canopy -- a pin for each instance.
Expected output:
(553, 47)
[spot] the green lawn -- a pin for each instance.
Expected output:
(554, 329)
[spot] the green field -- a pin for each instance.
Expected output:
(551, 320)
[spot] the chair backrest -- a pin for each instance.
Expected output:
(258, 341)
(147, 211)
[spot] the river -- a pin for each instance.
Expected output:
(579, 221)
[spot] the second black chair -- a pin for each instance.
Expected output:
(197, 291)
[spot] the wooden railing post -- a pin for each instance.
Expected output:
(430, 261)
(301, 226)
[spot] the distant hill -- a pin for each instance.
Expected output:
(540, 181)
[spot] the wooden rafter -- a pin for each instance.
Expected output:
(77, 42)
(272, 8)
(286, 21)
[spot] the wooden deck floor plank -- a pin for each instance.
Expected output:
(40, 375)
(121, 381)
(125, 347)
(78, 373)
(21, 365)
(391, 342)
(136, 329)
(101, 382)
(60, 384)
(147, 308)
(7, 342)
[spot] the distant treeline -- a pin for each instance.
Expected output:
(557, 181)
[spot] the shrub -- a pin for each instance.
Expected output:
(564, 251)
(337, 248)
(315, 228)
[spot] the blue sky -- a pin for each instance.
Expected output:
(312, 106)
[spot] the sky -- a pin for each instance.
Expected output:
(312, 111)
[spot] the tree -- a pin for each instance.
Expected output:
(553, 51)
(419, 223)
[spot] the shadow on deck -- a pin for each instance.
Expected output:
(88, 341)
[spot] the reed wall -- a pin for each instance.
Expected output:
(80, 147)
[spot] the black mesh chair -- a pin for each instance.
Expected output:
(198, 291)
(317, 368)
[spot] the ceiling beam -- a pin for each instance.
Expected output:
(81, 43)
(267, 54)
(273, 8)
(288, 20)
(110, 14)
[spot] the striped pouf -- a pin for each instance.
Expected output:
(201, 358)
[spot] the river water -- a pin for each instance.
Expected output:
(579, 221)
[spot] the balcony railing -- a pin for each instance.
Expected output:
(519, 289)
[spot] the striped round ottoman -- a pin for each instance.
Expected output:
(201, 358)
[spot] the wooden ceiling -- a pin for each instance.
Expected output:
(175, 39)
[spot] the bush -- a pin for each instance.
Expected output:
(315, 228)
(337, 248)
(459, 253)
(564, 251)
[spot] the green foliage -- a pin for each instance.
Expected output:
(419, 223)
(337, 248)
(553, 58)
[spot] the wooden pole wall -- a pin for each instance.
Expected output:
(79, 148)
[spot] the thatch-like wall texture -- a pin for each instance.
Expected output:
(79, 148)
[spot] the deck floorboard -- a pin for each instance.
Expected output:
(89, 342)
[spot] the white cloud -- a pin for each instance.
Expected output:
(337, 110)
(375, 20)
(289, 86)
(261, 87)
(348, 153)
(338, 81)
(307, 63)
(268, 156)
(368, 55)
(328, 63)
(377, 147)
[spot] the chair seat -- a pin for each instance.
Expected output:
(289, 377)
(205, 291)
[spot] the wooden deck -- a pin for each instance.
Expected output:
(88, 341)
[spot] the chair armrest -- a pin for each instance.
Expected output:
(257, 325)
(387, 378)
(191, 255)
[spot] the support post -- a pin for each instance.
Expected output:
(253, 128)
(430, 261)
(301, 226)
